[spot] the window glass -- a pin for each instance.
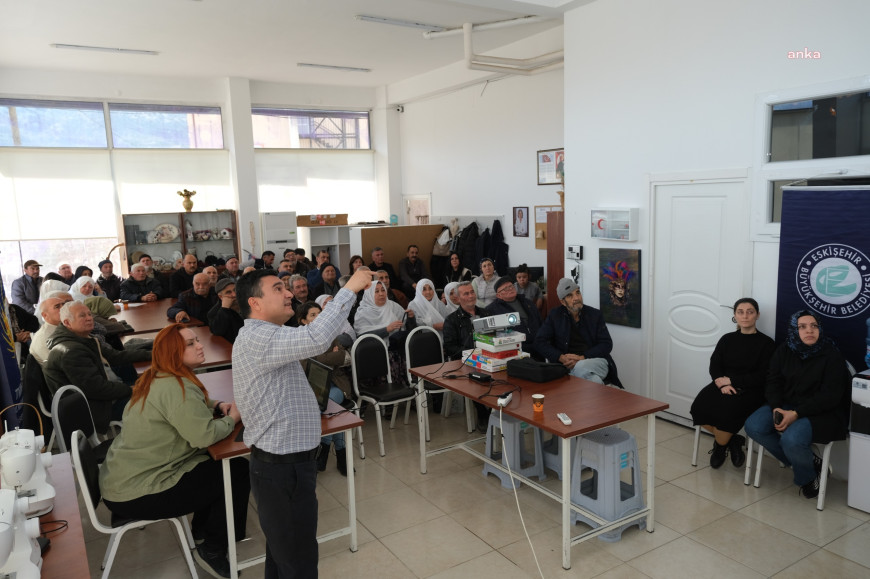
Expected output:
(35, 123)
(834, 126)
(300, 129)
(136, 126)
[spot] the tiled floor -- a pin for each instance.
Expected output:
(453, 522)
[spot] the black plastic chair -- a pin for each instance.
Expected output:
(422, 348)
(373, 383)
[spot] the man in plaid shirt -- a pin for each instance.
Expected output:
(280, 413)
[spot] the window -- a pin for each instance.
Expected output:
(136, 126)
(820, 128)
(34, 123)
(298, 129)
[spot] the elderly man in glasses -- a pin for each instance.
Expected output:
(508, 301)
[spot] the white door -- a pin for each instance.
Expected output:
(700, 237)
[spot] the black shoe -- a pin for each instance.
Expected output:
(811, 489)
(735, 447)
(341, 458)
(215, 564)
(322, 456)
(718, 454)
(817, 464)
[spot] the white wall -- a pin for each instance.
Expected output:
(475, 151)
(671, 86)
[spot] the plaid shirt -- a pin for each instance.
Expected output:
(277, 405)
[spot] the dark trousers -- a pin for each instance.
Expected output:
(201, 492)
(287, 506)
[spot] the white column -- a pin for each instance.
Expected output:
(239, 135)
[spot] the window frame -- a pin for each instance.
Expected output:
(263, 110)
(763, 228)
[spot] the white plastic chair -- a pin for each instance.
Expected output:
(87, 473)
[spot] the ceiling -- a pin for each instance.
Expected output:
(258, 39)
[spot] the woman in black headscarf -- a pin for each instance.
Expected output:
(808, 397)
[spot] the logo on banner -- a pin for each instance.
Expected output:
(834, 279)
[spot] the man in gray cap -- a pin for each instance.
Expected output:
(224, 318)
(576, 336)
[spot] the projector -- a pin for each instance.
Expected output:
(495, 323)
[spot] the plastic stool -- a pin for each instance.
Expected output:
(553, 454)
(513, 448)
(607, 453)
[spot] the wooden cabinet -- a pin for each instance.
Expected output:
(169, 236)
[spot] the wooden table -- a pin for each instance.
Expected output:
(66, 556)
(220, 387)
(218, 350)
(590, 406)
(150, 316)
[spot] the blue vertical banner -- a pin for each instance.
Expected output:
(10, 373)
(824, 263)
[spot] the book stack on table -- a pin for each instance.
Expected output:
(492, 352)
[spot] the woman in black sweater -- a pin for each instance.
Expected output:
(808, 398)
(738, 368)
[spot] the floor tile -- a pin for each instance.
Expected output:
(790, 512)
(823, 563)
(387, 513)
(853, 545)
(371, 560)
(454, 545)
(498, 522)
(588, 559)
(685, 558)
(683, 511)
(493, 565)
(759, 546)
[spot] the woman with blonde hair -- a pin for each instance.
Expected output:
(159, 467)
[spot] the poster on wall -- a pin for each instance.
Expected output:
(824, 264)
(551, 167)
(619, 286)
(521, 221)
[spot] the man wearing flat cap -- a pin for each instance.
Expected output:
(576, 336)
(224, 318)
(508, 301)
(108, 281)
(25, 289)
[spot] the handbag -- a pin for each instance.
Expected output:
(535, 371)
(442, 243)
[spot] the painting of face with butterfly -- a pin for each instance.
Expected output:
(619, 286)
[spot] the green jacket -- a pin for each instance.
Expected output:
(162, 442)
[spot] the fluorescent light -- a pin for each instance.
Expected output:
(106, 49)
(394, 22)
(333, 67)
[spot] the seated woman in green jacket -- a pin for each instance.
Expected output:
(159, 467)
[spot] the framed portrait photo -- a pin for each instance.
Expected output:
(551, 167)
(521, 221)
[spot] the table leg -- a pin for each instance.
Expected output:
(566, 502)
(351, 497)
(421, 422)
(232, 555)
(651, 471)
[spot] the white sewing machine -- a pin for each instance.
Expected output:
(19, 551)
(23, 469)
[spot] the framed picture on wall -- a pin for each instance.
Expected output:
(521, 221)
(619, 286)
(551, 167)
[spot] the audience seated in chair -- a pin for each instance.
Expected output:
(807, 397)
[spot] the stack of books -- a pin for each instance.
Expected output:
(493, 351)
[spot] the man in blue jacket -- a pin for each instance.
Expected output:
(576, 336)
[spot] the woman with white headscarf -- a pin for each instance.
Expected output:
(426, 306)
(450, 300)
(51, 285)
(380, 316)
